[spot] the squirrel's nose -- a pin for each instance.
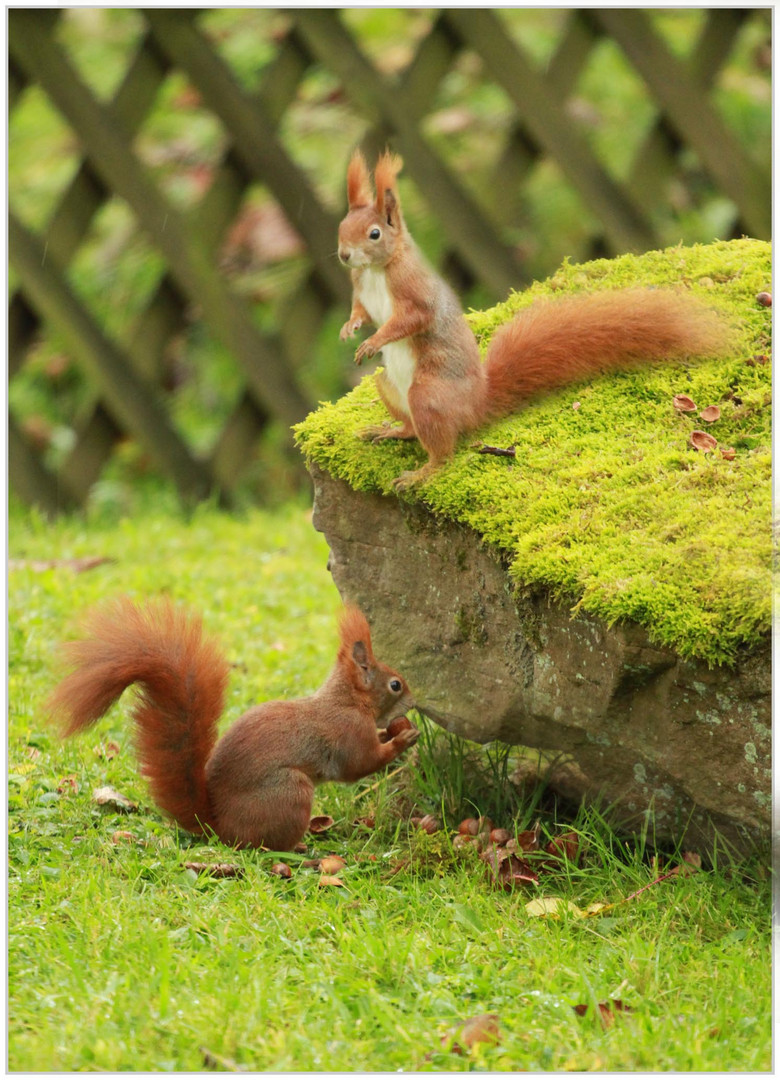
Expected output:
(344, 255)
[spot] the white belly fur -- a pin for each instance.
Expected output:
(397, 357)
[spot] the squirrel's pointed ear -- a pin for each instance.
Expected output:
(355, 651)
(362, 660)
(388, 203)
(358, 182)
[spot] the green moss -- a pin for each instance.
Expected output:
(607, 506)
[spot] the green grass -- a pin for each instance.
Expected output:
(606, 506)
(121, 959)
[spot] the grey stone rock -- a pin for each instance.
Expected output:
(616, 719)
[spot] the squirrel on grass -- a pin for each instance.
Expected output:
(254, 787)
(433, 380)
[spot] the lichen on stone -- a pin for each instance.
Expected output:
(607, 506)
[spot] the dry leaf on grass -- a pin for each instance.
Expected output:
(507, 871)
(566, 846)
(552, 907)
(479, 1029)
(608, 1010)
(108, 798)
(331, 864)
(329, 880)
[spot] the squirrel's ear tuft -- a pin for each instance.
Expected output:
(355, 636)
(387, 169)
(358, 182)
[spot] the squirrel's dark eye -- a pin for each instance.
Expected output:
(374, 234)
(396, 685)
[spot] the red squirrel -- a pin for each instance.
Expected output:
(254, 787)
(433, 380)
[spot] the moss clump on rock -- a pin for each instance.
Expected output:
(606, 505)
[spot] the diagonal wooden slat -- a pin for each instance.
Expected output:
(132, 400)
(107, 148)
(522, 151)
(656, 158)
(625, 224)
(254, 139)
(692, 115)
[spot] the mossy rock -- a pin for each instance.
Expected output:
(606, 506)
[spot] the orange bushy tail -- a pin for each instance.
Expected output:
(556, 342)
(182, 676)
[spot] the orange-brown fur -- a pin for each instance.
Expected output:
(254, 786)
(548, 345)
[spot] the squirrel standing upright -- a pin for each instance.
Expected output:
(253, 787)
(433, 380)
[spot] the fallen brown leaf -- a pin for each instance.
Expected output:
(479, 1029)
(528, 840)
(607, 1010)
(507, 871)
(111, 799)
(565, 846)
(328, 880)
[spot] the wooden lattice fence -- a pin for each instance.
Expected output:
(127, 372)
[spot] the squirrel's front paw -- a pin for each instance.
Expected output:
(349, 328)
(366, 351)
(404, 739)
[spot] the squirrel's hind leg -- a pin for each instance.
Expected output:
(276, 816)
(394, 405)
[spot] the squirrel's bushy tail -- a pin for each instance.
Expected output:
(182, 677)
(559, 341)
